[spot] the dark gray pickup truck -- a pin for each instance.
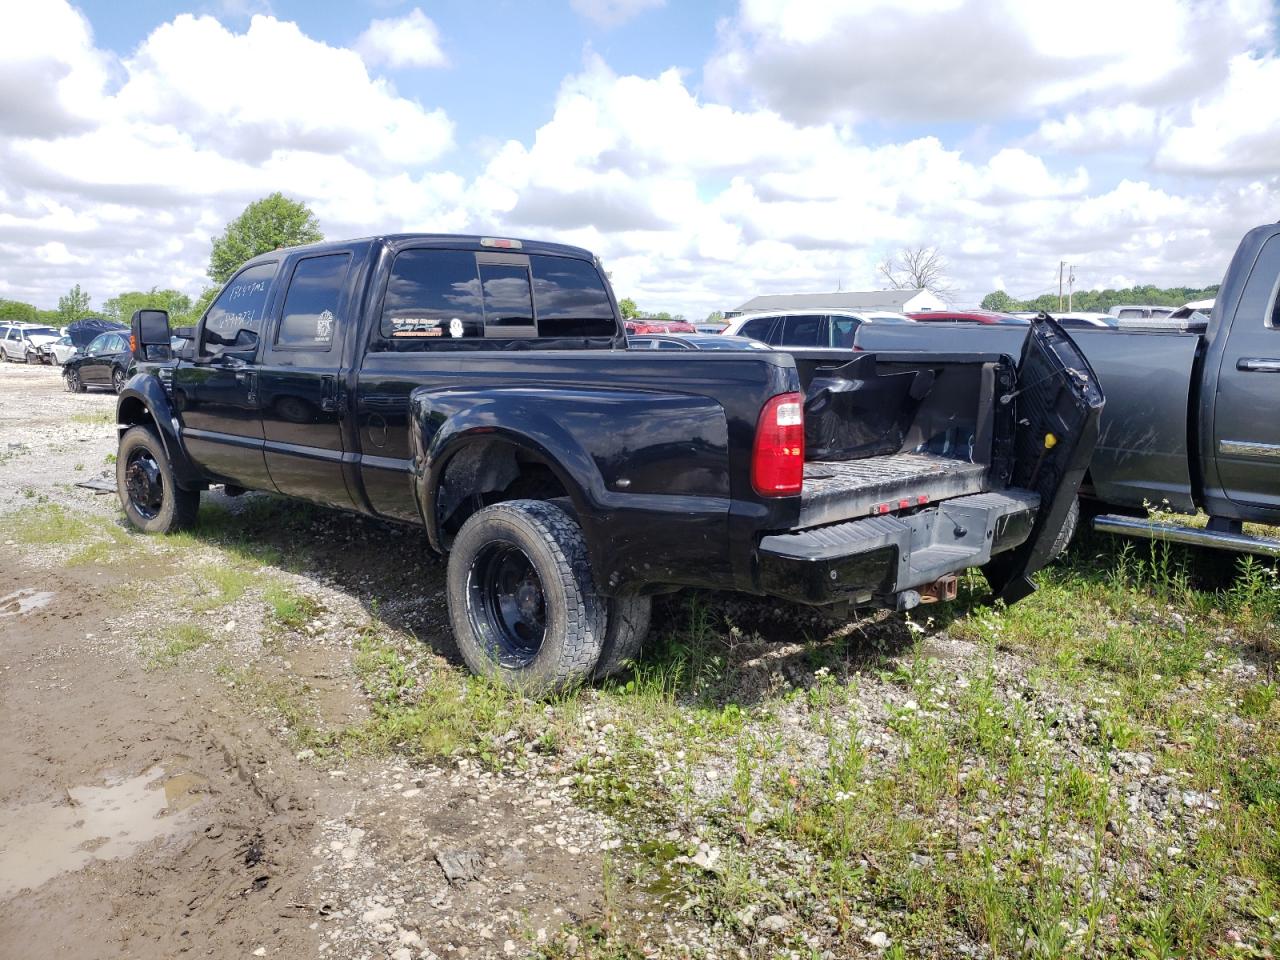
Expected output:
(1190, 422)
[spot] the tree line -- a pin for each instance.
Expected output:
(1100, 301)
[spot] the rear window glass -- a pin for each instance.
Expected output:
(508, 303)
(433, 293)
(570, 299)
(310, 311)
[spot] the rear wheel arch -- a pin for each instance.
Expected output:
(479, 470)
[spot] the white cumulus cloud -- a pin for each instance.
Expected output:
(398, 42)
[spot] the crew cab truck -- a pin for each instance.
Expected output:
(482, 388)
(1190, 419)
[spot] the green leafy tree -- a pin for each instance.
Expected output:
(1000, 302)
(629, 309)
(122, 306)
(266, 224)
(715, 316)
(18, 310)
(73, 305)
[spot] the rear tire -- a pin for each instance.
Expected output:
(628, 626)
(151, 499)
(1068, 531)
(117, 380)
(522, 600)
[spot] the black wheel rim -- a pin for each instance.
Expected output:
(506, 603)
(144, 483)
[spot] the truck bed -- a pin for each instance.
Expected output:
(846, 489)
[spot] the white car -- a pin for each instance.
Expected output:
(59, 351)
(808, 328)
(21, 342)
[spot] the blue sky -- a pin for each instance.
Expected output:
(707, 151)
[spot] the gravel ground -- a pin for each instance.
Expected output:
(1090, 773)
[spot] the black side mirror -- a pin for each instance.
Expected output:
(148, 329)
(186, 333)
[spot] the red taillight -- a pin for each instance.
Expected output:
(777, 460)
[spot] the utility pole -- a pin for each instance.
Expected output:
(1062, 266)
(1071, 286)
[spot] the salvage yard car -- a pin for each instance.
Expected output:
(21, 342)
(482, 389)
(105, 362)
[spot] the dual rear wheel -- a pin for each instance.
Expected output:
(523, 603)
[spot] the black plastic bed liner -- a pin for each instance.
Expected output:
(846, 489)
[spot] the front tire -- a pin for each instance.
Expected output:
(73, 381)
(152, 500)
(522, 600)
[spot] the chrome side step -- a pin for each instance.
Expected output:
(1193, 536)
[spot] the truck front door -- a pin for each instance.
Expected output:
(300, 382)
(1246, 430)
(216, 394)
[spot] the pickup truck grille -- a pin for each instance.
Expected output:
(842, 490)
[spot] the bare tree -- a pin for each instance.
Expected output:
(918, 268)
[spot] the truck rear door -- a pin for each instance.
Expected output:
(1246, 430)
(1057, 403)
(300, 380)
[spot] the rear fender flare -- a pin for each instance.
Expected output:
(538, 436)
(143, 401)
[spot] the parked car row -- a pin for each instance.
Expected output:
(21, 342)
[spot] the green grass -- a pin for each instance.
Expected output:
(176, 642)
(103, 416)
(216, 585)
(289, 608)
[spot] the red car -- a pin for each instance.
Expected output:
(659, 326)
(967, 316)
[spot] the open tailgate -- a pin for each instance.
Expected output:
(1058, 396)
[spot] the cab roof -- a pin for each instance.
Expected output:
(446, 241)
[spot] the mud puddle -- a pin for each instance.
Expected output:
(24, 601)
(40, 841)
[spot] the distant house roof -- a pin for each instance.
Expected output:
(844, 300)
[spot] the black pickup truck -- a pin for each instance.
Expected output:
(1189, 423)
(482, 388)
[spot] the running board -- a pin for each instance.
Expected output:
(1192, 536)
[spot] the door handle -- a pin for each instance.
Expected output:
(1258, 364)
(329, 394)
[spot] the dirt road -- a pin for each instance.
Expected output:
(149, 809)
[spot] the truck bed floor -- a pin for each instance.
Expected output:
(841, 490)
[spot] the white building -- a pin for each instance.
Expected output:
(896, 301)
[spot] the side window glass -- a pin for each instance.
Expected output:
(842, 331)
(432, 293)
(570, 299)
(670, 345)
(235, 319)
(757, 329)
(508, 300)
(309, 319)
(805, 331)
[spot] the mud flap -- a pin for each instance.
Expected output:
(1057, 404)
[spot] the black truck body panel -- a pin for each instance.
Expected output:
(423, 420)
